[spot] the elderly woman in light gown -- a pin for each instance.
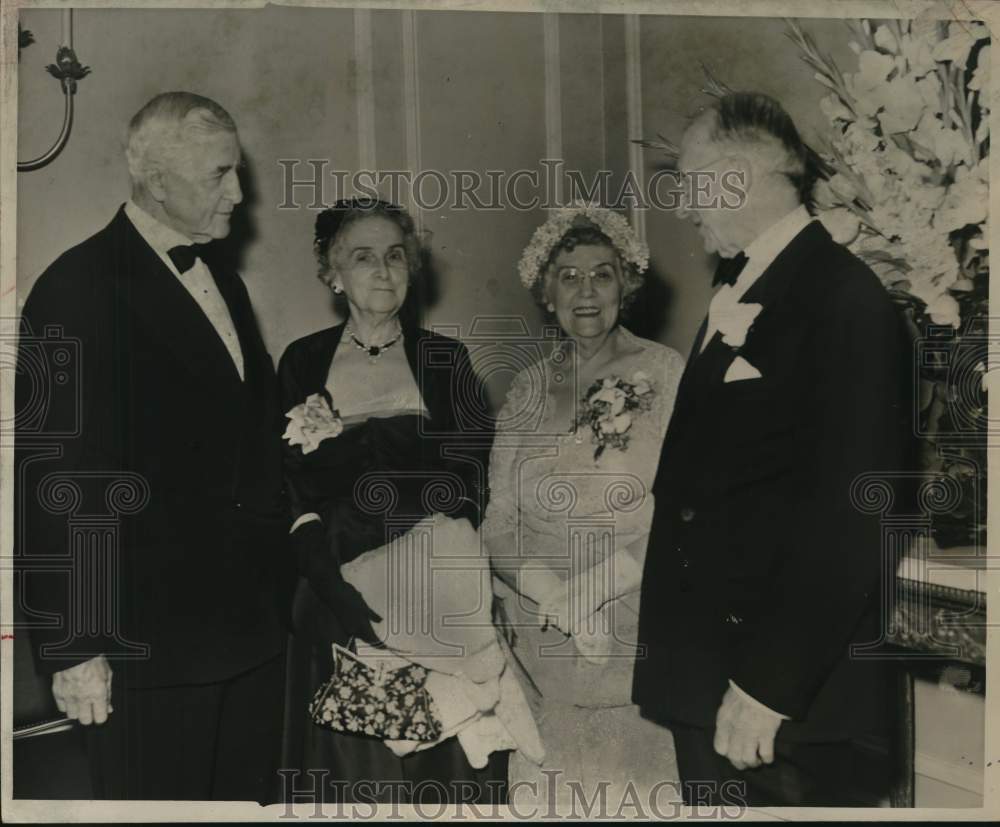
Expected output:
(569, 513)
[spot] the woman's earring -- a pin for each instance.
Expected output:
(337, 289)
(550, 307)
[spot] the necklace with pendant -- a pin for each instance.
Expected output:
(373, 351)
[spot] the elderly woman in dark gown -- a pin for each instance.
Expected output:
(409, 445)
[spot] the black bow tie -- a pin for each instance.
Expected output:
(183, 256)
(729, 269)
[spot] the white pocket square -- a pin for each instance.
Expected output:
(740, 370)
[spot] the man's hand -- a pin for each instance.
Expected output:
(744, 732)
(83, 691)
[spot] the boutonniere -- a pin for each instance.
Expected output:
(733, 318)
(311, 422)
(608, 407)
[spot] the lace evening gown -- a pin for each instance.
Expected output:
(568, 512)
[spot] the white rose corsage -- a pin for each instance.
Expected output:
(732, 317)
(608, 407)
(311, 422)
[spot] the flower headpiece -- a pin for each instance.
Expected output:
(613, 225)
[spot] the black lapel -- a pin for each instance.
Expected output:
(256, 360)
(317, 367)
(426, 371)
(692, 357)
(768, 289)
(713, 361)
(698, 339)
(167, 309)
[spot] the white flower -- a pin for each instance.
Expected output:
(885, 39)
(622, 423)
(834, 109)
(732, 318)
(948, 144)
(965, 203)
(961, 38)
(641, 383)
(990, 377)
(865, 84)
(311, 422)
(981, 76)
(902, 105)
(618, 405)
(605, 394)
(841, 223)
(929, 88)
(944, 310)
(918, 51)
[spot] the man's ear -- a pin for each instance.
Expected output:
(743, 167)
(736, 181)
(156, 185)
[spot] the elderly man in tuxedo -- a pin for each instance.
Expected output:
(176, 668)
(763, 578)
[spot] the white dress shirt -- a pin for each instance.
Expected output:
(197, 281)
(760, 253)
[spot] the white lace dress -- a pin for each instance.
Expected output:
(559, 510)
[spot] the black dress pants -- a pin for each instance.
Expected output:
(803, 774)
(217, 741)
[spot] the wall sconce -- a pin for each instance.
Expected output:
(67, 70)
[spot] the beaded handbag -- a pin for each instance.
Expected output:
(376, 700)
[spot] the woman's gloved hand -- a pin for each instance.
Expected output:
(319, 563)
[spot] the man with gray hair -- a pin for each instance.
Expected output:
(760, 599)
(178, 673)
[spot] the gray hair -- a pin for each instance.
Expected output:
(161, 127)
(757, 122)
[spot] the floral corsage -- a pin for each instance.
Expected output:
(311, 422)
(608, 407)
(732, 317)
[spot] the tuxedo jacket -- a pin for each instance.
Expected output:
(193, 552)
(763, 568)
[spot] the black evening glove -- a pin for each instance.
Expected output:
(319, 563)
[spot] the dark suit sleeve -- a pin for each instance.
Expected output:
(833, 563)
(69, 426)
(290, 394)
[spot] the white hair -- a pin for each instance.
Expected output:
(165, 124)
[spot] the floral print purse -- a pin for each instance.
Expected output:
(378, 701)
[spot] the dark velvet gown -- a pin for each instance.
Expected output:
(411, 455)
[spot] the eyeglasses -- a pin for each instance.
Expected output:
(602, 274)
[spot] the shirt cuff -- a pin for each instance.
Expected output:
(757, 703)
(309, 517)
